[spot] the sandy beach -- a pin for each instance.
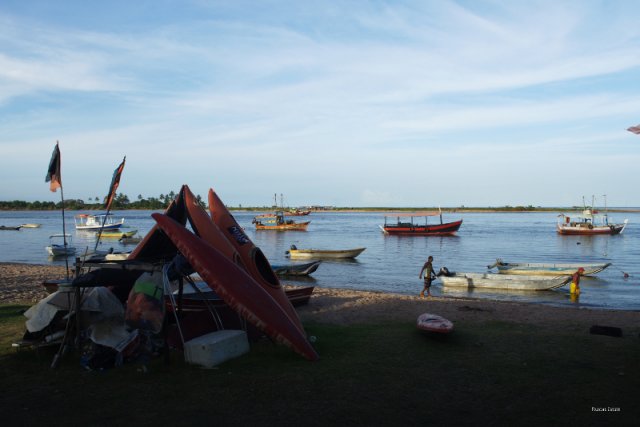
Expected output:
(22, 283)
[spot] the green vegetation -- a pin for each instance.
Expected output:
(491, 373)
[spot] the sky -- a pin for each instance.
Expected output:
(344, 103)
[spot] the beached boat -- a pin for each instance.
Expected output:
(294, 252)
(89, 222)
(118, 234)
(546, 269)
(56, 249)
(296, 269)
(278, 222)
(591, 222)
(503, 281)
(412, 224)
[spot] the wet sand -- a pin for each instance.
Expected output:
(22, 283)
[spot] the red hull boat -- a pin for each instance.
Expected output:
(410, 225)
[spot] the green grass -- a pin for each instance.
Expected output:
(379, 374)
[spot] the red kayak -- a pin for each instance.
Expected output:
(239, 290)
(252, 257)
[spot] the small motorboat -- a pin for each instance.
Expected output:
(294, 252)
(59, 245)
(117, 234)
(10, 227)
(296, 269)
(31, 225)
(89, 222)
(502, 281)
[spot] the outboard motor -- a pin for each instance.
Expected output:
(444, 271)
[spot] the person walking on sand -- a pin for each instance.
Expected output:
(574, 289)
(429, 275)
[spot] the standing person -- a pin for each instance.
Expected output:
(574, 289)
(427, 269)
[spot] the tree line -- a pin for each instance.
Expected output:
(120, 202)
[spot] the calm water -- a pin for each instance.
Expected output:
(392, 264)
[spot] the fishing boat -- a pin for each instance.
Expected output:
(412, 224)
(503, 281)
(56, 249)
(89, 222)
(297, 212)
(296, 269)
(546, 269)
(294, 252)
(118, 234)
(591, 222)
(278, 222)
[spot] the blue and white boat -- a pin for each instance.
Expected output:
(87, 222)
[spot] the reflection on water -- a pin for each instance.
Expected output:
(392, 263)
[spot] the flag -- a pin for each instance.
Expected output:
(635, 129)
(53, 174)
(115, 181)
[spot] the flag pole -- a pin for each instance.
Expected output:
(64, 232)
(115, 181)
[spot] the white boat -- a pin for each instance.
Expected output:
(503, 281)
(591, 222)
(89, 222)
(323, 253)
(30, 225)
(547, 269)
(60, 249)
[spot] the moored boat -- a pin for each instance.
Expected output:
(410, 224)
(118, 234)
(589, 223)
(10, 227)
(278, 222)
(294, 252)
(547, 269)
(503, 281)
(296, 269)
(30, 225)
(89, 222)
(60, 249)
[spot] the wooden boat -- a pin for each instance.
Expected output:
(546, 269)
(130, 240)
(118, 234)
(30, 225)
(591, 222)
(56, 249)
(409, 224)
(323, 253)
(428, 322)
(503, 281)
(89, 222)
(296, 269)
(297, 212)
(10, 227)
(278, 222)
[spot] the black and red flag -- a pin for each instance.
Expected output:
(635, 129)
(53, 174)
(115, 181)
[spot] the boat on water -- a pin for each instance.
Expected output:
(294, 252)
(546, 269)
(31, 225)
(118, 234)
(412, 224)
(297, 212)
(130, 240)
(88, 222)
(590, 222)
(60, 245)
(503, 281)
(278, 222)
(296, 269)
(10, 227)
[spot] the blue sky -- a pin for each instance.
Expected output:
(347, 103)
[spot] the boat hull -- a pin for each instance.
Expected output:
(428, 322)
(541, 269)
(329, 254)
(569, 230)
(445, 229)
(298, 226)
(503, 281)
(296, 269)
